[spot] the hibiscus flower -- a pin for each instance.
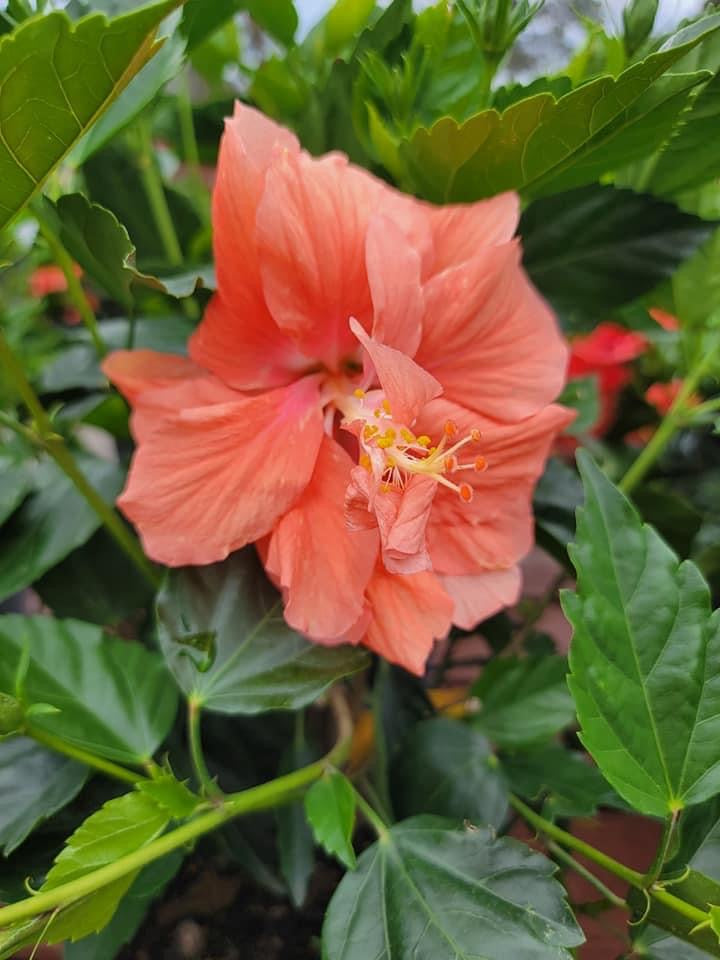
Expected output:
(368, 399)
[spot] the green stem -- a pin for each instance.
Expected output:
(371, 815)
(155, 194)
(661, 853)
(56, 448)
(76, 294)
(570, 861)
(671, 422)
(631, 877)
(59, 745)
(209, 787)
(187, 126)
(709, 406)
(263, 797)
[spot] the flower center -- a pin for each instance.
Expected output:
(393, 453)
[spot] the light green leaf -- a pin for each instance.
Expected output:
(523, 701)
(427, 890)
(57, 78)
(344, 20)
(296, 847)
(223, 635)
(644, 656)
(115, 698)
(330, 809)
(34, 784)
(597, 248)
(696, 285)
(53, 522)
(541, 144)
(447, 768)
(170, 794)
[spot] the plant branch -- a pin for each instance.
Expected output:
(661, 854)
(155, 193)
(672, 421)
(263, 797)
(55, 446)
(209, 787)
(58, 745)
(570, 861)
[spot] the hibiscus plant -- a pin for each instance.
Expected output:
(359, 478)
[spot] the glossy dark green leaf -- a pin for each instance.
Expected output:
(541, 144)
(644, 656)
(97, 583)
(557, 494)
(115, 698)
(254, 661)
(73, 72)
(330, 810)
(34, 784)
(447, 768)
(148, 886)
(449, 894)
(596, 248)
(52, 522)
(564, 780)
(15, 481)
(523, 700)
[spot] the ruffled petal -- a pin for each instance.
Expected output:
(405, 384)
(237, 331)
(393, 267)
(320, 565)
(135, 372)
(400, 515)
(460, 230)
(479, 596)
(490, 339)
(311, 227)
(246, 350)
(496, 529)
(408, 614)
(209, 477)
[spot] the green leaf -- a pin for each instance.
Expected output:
(523, 700)
(73, 72)
(330, 810)
(148, 886)
(170, 794)
(296, 847)
(141, 91)
(279, 18)
(34, 784)
(691, 158)
(541, 144)
(557, 494)
(696, 285)
(638, 19)
(582, 395)
(568, 785)
(52, 522)
(643, 657)
(344, 20)
(115, 698)
(200, 19)
(594, 249)
(448, 894)
(97, 583)
(252, 661)
(447, 768)
(15, 482)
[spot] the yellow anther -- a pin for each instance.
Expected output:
(389, 434)
(423, 441)
(369, 431)
(386, 406)
(359, 393)
(384, 442)
(385, 487)
(390, 461)
(432, 450)
(377, 412)
(365, 461)
(407, 435)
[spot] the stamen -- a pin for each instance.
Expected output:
(450, 428)
(424, 440)
(359, 393)
(386, 407)
(466, 492)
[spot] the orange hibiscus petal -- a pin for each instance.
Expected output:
(478, 596)
(208, 478)
(135, 372)
(460, 230)
(393, 266)
(490, 339)
(320, 565)
(408, 614)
